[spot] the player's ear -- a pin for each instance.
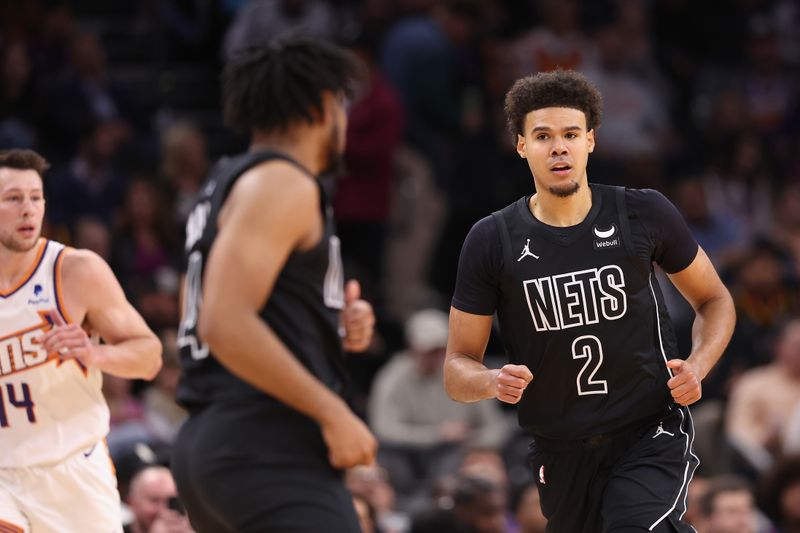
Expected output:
(521, 145)
(590, 140)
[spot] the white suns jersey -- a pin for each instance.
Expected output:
(49, 408)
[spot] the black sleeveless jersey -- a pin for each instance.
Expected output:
(580, 306)
(303, 308)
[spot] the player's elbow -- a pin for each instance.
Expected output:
(153, 360)
(449, 380)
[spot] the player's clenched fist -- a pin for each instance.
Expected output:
(511, 382)
(349, 441)
(685, 385)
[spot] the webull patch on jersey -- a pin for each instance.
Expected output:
(606, 238)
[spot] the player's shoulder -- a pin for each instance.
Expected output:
(83, 264)
(650, 207)
(485, 228)
(643, 199)
(276, 179)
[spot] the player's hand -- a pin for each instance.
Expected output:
(511, 382)
(358, 319)
(70, 341)
(684, 385)
(349, 441)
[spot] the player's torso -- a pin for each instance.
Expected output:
(579, 309)
(49, 408)
(302, 309)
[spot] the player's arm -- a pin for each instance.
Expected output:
(266, 216)
(466, 378)
(131, 349)
(712, 329)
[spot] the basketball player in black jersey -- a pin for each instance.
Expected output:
(264, 304)
(593, 367)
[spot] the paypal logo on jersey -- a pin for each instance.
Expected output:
(38, 290)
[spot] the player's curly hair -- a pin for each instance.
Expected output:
(269, 88)
(559, 88)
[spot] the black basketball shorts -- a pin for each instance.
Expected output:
(635, 478)
(259, 469)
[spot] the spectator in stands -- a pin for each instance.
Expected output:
(636, 127)
(786, 211)
(90, 184)
(487, 463)
(258, 22)
(126, 415)
(527, 510)
(17, 100)
(728, 506)
(420, 428)
(92, 234)
(162, 415)
(374, 133)
(480, 505)
(82, 92)
(764, 398)
(423, 58)
(152, 498)
(780, 494)
(718, 233)
(144, 253)
(184, 164)
(558, 42)
(697, 490)
(765, 290)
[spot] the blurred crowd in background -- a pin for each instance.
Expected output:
(701, 101)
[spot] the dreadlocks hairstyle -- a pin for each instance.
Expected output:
(559, 88)
(22, 159)
(269, 88)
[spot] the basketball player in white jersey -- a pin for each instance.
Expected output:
(55, 471)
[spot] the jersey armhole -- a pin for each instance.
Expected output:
(58, 283)
(627, 234)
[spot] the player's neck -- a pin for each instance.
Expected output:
(14, 265)
(305, 153)
(560, 211)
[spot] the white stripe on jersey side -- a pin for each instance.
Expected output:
(696, 458)
(678, 497)
(685, 485)
(689, 440)
(658, 322)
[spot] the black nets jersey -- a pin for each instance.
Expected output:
(303, 308)
(580, 306)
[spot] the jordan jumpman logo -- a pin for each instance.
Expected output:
(527, 252)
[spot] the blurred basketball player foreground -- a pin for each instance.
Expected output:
(264, 304)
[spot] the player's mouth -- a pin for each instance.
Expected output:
(561, 169)
(27, 230)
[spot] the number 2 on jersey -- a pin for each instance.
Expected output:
(10, 394)
(589, 347)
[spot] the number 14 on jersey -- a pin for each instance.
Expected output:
(19, 398)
